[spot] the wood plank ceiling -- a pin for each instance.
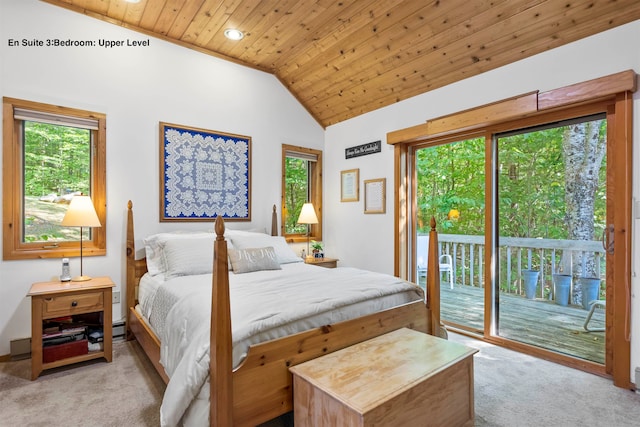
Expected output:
(341, 59)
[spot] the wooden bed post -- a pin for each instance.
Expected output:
(131, 271)
(274, 222)
(220, 364)
(433, 280)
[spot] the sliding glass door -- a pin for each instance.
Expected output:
(550, 215)
(542, 282)
(532, 202)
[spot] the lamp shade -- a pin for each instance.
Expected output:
(81, 213)
(307, 214)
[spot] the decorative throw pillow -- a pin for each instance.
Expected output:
(253, 259)
(284, 253)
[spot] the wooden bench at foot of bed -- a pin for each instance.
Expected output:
(400, 378)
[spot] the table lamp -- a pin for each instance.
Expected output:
(81, 213)
(308, 216)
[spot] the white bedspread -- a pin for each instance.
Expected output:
(265, 305)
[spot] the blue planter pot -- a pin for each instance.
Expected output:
(590, 290)
(562, 284)
(530, 278)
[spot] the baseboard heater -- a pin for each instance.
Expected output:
(118, 330)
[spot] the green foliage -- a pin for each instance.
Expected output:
(56, 159)
(297, 190)
(531, 185)
(452, 177)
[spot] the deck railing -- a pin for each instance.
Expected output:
(548, 256)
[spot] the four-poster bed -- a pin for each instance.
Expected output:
(259, 388)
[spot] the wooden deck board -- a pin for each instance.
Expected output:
(539, 322)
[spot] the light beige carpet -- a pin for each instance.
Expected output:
(511, 390)
(516, 390)
(126, 392)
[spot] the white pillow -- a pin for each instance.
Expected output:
(187, 257)
(284, 253)
(253, 259)
(154, 247)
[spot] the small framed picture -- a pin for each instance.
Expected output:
(375, 196)
(349, 186)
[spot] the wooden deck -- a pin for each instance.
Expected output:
(538, 322)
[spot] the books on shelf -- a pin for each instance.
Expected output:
(71, 336)
(64, 336)
(63, 332)
(64, 343)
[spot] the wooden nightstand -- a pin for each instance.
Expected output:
(62, 300)
(323, 262)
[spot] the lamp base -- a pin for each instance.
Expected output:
(81, 278)
(310, 257)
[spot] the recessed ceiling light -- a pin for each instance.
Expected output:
(233, 34)
(132, 1)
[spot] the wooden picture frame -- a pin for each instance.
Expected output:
(204, 174)
(349, 185)
(375, 199)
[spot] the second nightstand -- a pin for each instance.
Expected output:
(65, 302)
(323, 262)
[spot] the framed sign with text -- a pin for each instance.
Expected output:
(363, 150)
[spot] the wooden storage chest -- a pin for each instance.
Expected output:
(403, 378)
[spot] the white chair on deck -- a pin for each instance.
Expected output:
(447, 266)
(445, 260)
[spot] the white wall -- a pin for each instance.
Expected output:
(348, 232)
(137, 88)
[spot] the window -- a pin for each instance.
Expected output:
(50, 154)
(301, 183)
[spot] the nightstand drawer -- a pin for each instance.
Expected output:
(67, 304)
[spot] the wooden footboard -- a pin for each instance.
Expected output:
(261, 387)
(262, 384)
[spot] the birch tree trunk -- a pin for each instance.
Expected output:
(583, 150)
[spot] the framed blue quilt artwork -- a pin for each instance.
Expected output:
(204, 174)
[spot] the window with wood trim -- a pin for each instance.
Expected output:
(301, 183)
(50, 154)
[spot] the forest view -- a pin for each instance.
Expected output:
(547, 177)
(297, 191)
(551, 184)
(57, 163)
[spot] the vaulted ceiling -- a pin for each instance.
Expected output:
(344, 58)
